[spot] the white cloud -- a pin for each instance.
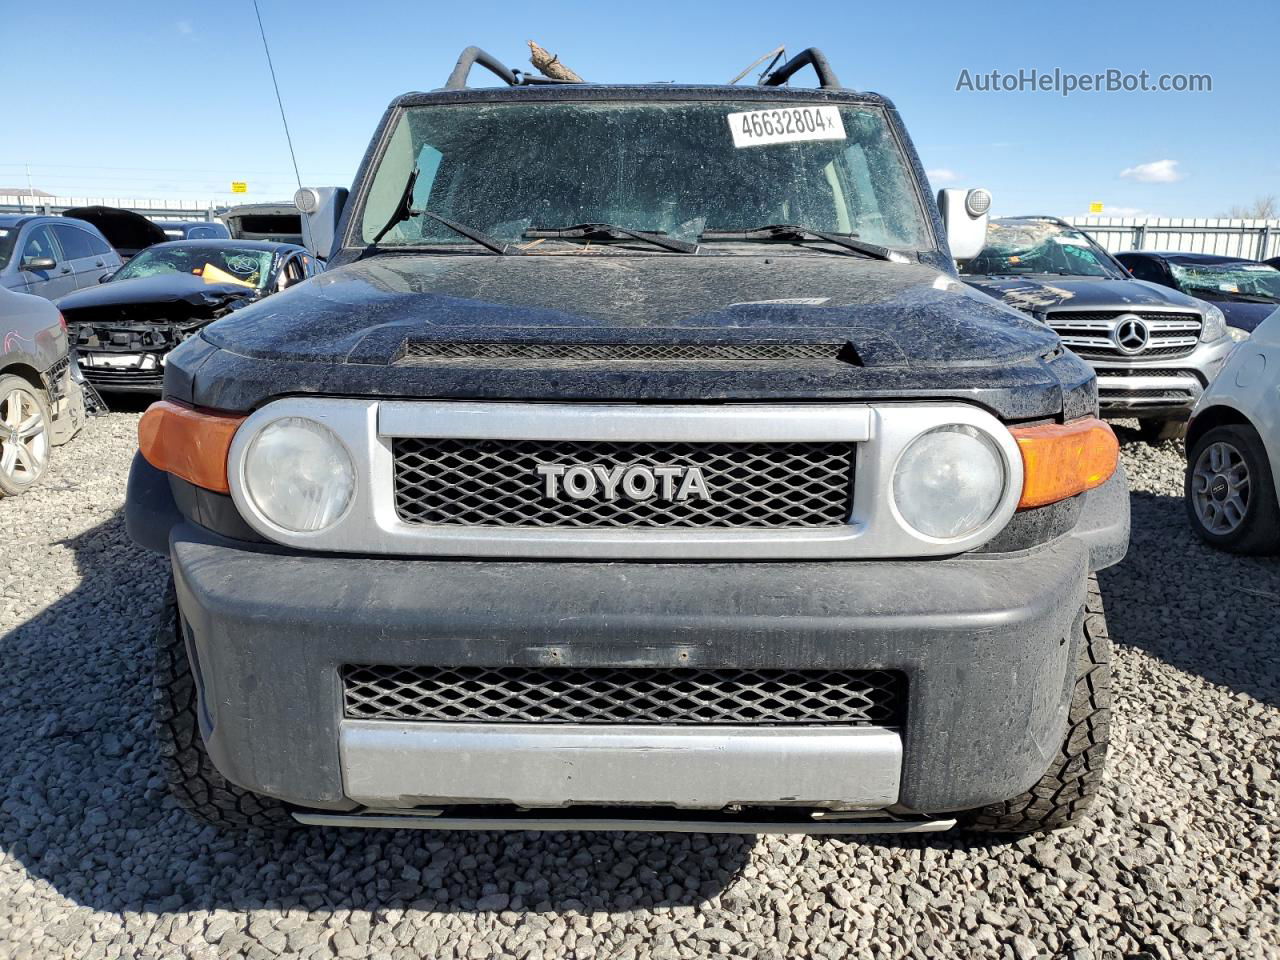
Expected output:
(1157, 171)
(942, 175)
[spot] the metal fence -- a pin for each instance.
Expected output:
(155, 209)
(1249, 239)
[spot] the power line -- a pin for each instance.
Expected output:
(271, 66)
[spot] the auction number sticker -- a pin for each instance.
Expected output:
(756, 128)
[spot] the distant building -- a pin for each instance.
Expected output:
(22, 192)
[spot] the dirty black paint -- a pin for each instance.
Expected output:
(918, 332)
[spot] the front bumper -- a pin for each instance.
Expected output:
(1166, 389)
(987, 644)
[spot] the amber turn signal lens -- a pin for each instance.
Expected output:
(1062, 460)
(189, 443)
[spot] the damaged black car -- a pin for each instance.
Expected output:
(123, 330)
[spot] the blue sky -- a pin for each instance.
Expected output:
(173, 99)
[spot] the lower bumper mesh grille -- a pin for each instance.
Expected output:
(617, 695)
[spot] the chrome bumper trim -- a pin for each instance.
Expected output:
(402, 765)
(638, 825)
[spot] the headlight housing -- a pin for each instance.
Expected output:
(1215, 324)
(949, 481)
(298, 475)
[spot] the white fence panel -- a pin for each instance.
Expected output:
(1248, 239)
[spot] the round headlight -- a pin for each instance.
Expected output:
(949, 481)
(299, 475)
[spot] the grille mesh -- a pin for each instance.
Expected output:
(495, 483)
(423, 353)
(615, 695)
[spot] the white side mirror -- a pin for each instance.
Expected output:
(321, 209)
(964, 212)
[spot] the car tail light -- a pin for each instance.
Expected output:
(189, 443)
(1062, 460)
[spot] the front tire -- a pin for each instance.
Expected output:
(194, 782)
(24, 435)
(1068, 788)
(1230, 492)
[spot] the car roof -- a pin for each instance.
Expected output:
(1176, 256)
(19, 219)
(238, 244)
(568, 92)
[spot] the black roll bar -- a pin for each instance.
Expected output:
(813, 57)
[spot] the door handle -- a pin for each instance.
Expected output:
(65, 269)
(99, 263)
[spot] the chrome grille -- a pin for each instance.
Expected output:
(495, 483)
(615, 695)
(424, 353)
(1089, 333)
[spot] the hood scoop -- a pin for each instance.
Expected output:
(425, 353)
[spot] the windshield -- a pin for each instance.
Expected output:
(1038, 246)
(675, 168)
(1249, 279)
(215, 264)
(8, 237)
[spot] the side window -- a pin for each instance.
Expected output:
(1144, 269)
(73, 240)
(202, 233)
(39, 244)
(99, 246)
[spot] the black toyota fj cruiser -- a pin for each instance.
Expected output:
(640, 460)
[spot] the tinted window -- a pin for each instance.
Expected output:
(8, 237)
(74, 242)
(99, 246)
(39, 244)
(1144, 269)
(204, 233)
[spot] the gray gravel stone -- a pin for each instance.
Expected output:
(1178, 859)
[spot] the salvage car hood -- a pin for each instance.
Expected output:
(892, 314)
(162, 288)
(125, 230)
(1035, 294)
(898, 331)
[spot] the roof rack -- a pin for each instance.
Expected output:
(813, 57)
(512, 78)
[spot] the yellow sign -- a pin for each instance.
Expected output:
(239, 186)
(1095, 208)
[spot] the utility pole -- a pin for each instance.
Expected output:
(31, 193)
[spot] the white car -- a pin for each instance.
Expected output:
(1233, 449)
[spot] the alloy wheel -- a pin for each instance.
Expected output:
(1220, 488)
(24, 437)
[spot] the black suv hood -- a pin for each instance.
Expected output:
(1035, 294)
(913, 332)
(893, 314)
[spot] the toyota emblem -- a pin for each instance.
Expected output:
(1131, 334)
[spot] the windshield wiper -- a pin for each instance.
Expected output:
(606, 231)
(789, 231)
(405, 210)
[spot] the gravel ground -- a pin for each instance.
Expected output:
(1180, 858)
